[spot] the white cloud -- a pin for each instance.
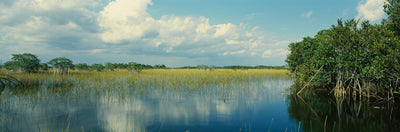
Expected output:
(47, 27)
(123, 28)
(307, 15)
(371, 10)
(275, 53)
(61, 4)
(267, 54)
(235, 52)
(173, 34)
(125, 20)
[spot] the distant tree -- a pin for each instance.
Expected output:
(186, 67)
(81, 67)
(146, 66)
(202, 67)
(25, 62)
(159, 66)
(96, 67)
(62, 64)
(110, 66)
(120, 66)
(212, 68)
(44, 66)
(133, 67)
(392, 9)
(235, 67)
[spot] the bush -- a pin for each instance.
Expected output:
(347, 59)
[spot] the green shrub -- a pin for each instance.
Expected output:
(348, 58)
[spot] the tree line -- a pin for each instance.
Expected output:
(29, 63)
(351, 58)
(234, 67)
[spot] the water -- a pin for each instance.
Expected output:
(344, 115)
(260, 104)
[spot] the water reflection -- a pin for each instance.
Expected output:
(233, 110)
(254, 105)
(343, 115)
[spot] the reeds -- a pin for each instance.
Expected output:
(50, 90)
(122, 83)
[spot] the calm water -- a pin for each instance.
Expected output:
(254, 105)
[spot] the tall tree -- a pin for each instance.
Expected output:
(25, 62)
(348, 59)
(392, 9)
(62, 64)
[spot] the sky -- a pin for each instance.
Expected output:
(171, 32)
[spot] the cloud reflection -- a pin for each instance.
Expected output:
(162, 110)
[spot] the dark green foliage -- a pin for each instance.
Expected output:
(10, 65)
(146, 66)
(44, 66)
(110, 66)
(354, 60)
(135, 67)
(117, 66)
(252, 67)
(121, 65)
(235, 67)
(160, 66)
(186, 67)
(351, 58)
(62, 64)
(392, 9)
(97, 67)
(81, 67)
(25, 62)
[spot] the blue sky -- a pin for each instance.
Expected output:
(171, 32)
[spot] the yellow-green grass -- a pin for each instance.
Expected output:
(123, 83)
(191, 75)
(49, 90)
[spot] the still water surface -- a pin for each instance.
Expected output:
(253, 105)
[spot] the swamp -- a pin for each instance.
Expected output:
(134, 68)
(181, 100)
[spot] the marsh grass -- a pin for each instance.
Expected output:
(123, 83)
(54, 91)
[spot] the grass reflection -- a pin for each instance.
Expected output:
(122, 101)
(322, 114)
